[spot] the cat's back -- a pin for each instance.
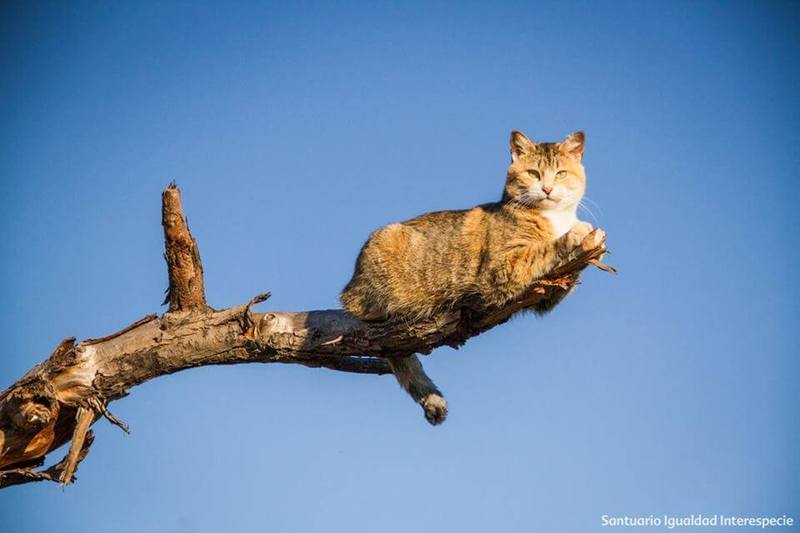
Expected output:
(436, 233)
(411, 267)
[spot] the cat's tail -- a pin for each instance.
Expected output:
(411, 376)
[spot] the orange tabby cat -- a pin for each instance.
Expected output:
(493, 251)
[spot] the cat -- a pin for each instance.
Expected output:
(414, 269)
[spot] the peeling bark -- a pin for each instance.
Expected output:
(59, 399)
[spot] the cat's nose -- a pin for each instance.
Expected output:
(547, 189)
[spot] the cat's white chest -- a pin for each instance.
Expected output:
(561, 220)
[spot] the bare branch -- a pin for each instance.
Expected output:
(84, 419)
(185, 291)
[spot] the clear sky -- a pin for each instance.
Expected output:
(294, 131)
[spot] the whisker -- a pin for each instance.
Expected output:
(586, 208)
(595, 204)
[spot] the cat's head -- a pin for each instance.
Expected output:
(545, 176)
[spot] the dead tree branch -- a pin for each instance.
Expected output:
(58, 400)
(185, 291)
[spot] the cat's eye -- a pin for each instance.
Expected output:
(561, 174)
(533, 173)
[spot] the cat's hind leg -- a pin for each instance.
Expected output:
(411, 376)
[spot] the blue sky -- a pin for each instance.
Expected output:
(294, 131)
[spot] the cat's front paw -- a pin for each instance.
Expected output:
(435, 408)
(578, 233)
(593, 240)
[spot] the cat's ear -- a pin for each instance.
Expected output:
(520, 145)
(573, 145)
